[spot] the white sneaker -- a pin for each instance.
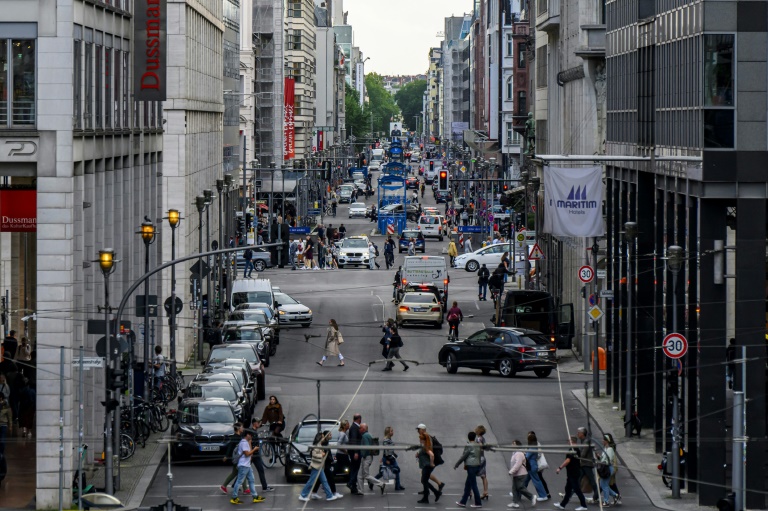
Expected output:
(315, 496)
(558, 506)
(513, 505)
(581, 508)
(303, 499)
(542, 499)
(534, 499)
(338, 495)
(332, 497)
(511, 494)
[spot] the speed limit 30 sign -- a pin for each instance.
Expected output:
(586, 274)
(675, 345)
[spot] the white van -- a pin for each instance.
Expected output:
(431, 226)
(251, 291)
(424, 270)
(377, 159)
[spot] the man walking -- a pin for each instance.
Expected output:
(355, 438)
(255, 425)
(483, 275)
(468, 245)
(248, 256)
(292, 249)
(573, 473)
(366, 461)
(389, 252)
(395, 342)
(243, 455)
(587, 461)
(238, 428)
(10, 345)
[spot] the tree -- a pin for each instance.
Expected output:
(381, 104)
(409, 99)
(357, 120)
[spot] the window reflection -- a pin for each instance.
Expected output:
(718, 69)
(3, 82)
(23, 55)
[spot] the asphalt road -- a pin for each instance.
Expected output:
(450, 405)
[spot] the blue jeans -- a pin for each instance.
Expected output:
(311, 482)
(245, 473)
(533, 475)
(605, 487)
(248, 264)
(470, 485)
(393, 467)
(482, 290)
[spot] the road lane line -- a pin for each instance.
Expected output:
(477, 305)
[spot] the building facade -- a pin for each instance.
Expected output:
(300, 48)
(268, 32)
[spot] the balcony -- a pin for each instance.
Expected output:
(593, 40)
(548, 19)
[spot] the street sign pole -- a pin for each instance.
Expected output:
(595, 343)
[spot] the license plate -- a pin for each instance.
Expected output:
(419, 309)
(209, 448)
(543, 354)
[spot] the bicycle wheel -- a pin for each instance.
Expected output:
(267, 454)
(127, 446)
(282, 452)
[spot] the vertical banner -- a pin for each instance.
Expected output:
(289, 147)
(150, 21)
(573, 201)
(320, 140)
(18, 210)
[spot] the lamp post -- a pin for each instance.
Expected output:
(220, 189)
(675, 263)
(208, 194)
(630, 235)
(201, 207)
(173, 220)
(148, 236)
(228, 181)
(107, 264)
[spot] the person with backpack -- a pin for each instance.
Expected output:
(241, 458)
(615, 464)
(471, 457)
(366, 460)
(606, 470)
(518, 472)
(428, 460)
(483, 276)
(317, 461)
(454, 318)
(394, 343)
(248, 256)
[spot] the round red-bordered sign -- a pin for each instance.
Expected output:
(586, 274)
(675, 345)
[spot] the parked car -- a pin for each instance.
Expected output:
(507, 350)
(268, 310)
(250, 333)
(419, 308)
(244, 351)
(405, 239)
(259, 317)
(262, 259)
(219, 390)
(300, 440)
(234, 377)
(292, 312)
(202, 428)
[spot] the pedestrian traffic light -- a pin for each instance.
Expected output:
(116, 378)
(431, 165)
(442, 181)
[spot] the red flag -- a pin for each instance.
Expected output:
(289, 131)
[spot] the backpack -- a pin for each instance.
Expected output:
(437, 450)
(377, 249)
(453, 317)
(248, 255)
(236, 455)
(374, 452)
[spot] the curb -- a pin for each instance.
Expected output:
(145, 481)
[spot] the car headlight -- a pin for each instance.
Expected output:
(296, 457)
(281, 312)
(309, 311)
(260, 346)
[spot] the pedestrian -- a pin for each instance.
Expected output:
(334, 205)
(366, 460)
(730, 365)
(389, 466)
(243, 455)
(317, 456)
(468, 245)
(293, 248)
(615, 464)
(158, 365)
(573, 473)
(518, 472)
(541, 462)
(605, 471)
(342, 455)
(481, 473)
(248, 257)
(587, 461)
(331, 256)
(10, 344)
(300, 254)
(27, 406)
(389, 252)
(483, 275)
(5, 389)
(6, 421)
(228, 458)
(396, 283)
(496, 282)
(454, 317)
(329, 475)
(321, 231)
(342, 231)
(532, 466)
(464, 216)
(471, 457)
(274, 416)
(452, 251)
(372, 253)
(372, 214)
(333, 339)
(426, 457)
(321, 263)
(412, 247)
(355, 437)
(394, 344)
(309, 254)
(24, 353)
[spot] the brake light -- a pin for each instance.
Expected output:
(445, 282)
(404, 308)
(435, 309)
(405, 281)
(523, 349)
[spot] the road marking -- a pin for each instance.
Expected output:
(477, 305)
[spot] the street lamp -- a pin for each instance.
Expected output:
(208, 194)
(630, 235)
(147, 232)
(107, 265)
(173, 220)
(202, 206)
(220, 189)
(675, 262)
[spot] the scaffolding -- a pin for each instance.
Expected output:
(268, 80)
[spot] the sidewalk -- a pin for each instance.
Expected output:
(636, 455)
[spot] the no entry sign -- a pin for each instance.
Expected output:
(675, 345)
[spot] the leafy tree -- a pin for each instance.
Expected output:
(357, 120)
(382, 106)
(409, 99)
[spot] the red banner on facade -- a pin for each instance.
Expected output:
(289, 130)
(18, 210)
(320, 140)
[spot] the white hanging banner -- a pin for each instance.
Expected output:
(573, 201)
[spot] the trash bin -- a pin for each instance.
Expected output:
(600, 358)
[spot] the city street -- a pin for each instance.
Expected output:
(449, 404)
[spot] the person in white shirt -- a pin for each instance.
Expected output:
(243, 454)
(158, 366)
(468, 245)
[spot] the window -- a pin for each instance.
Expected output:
(118, 84)
(294, 10)
(510, 46)
(17, 82)
(521, 103)
(126, 89)
(107, 87)
(88, 107)
(718, 128)
(510, 92)
(77, 96)
(510, 133)
(718, 70)
(99, 85)
(541, 66)
(521, 50)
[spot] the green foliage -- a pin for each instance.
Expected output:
(409, 99)
(357, 120)
(381, 104)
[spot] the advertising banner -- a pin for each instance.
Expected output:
(150, 23)
(573, 201)
(18, 210)
(289, 129)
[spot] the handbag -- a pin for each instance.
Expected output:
(542, 462)
(603, 470)
(340, 338)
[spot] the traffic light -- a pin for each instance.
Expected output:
(672, 383)
(505, 188)
(431, 165)
(327, 171)
(117, 378)
(442, 181)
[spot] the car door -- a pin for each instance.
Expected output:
(471, 348)
(493, 348)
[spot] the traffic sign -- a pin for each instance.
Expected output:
(463, 168)
(586, 274)
(595, 313)
(390, 220)
(89, 363)
(298, 230)
(593, 299)
(258, 183)
(675, 345)
(167, 305)
(470, 228)
(520, 237)
(313, 211)
(601, 274)
(536, 253)
(607, 294)
(679, 367)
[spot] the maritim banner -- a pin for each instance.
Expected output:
(573, 201)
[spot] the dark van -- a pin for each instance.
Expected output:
(536, 310)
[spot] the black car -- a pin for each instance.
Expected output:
(232, 376)
(412, 183)
(208, 389)
(245, 351)
(507, 350)
(297, 461)
(247, 333)
(202, 429)
(443, 197)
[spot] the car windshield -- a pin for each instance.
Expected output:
(284, 299)
(206, 413)
(251, 297)
(307, 432)
(208, 391)
(357, 205)
(243, 334)
(346, 191)
(224, 352)
(414, 298)
(256, 316)
(350, 243)
(410, 234)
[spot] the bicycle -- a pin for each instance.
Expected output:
(272, 448)
(453, 334)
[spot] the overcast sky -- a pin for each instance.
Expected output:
(397, 34)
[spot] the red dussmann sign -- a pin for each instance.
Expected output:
(18, 210)
(289, 129)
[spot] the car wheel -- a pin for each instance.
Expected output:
(472, 266)
(266, 358)
(260, 265)
(440, 238)
(341, 266)
(305, 325)
(272, 349)
(261, 387)
(486, 371)
(507, 367)
(450, 363)
(399, 251)
(438, 324)
(542, 373)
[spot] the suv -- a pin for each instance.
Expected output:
(202, 428)
(244, 351)
(353, 251)
(245, 332)
(431, 226)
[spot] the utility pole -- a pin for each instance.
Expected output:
(630, 234)
(595, 324)
(675, 263)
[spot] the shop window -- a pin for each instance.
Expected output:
(18, 83)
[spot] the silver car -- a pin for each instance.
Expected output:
(292, 312)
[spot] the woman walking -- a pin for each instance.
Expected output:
(427, 464)
(615, 467)
(316, 465)
(452, 251)
(541, 462)
(518, 472)
(332, 340)
(532, 459)
(480, 439)
(471, 458)
(389, 460)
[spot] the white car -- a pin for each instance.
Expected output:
(357, 209)
(490, 256)
(431, 226)
(352, 251)
(292, 312)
